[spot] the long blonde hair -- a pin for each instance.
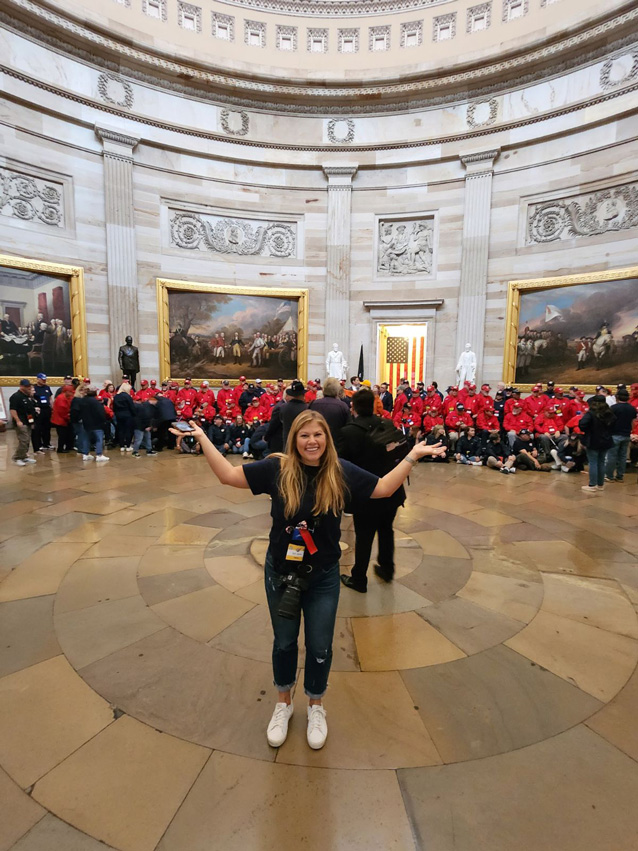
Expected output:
(330, 487)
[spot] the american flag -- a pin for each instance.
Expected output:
(406, 357)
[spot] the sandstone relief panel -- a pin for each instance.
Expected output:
(31, 199)
(228, 235)
(606, 211)
(405, 247)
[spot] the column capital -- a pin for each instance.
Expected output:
(340, 176)
(116, 144)
(481, 162)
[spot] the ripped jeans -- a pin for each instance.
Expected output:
(319, 606)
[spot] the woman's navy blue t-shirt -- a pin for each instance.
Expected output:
(263, 477)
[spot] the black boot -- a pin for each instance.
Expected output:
(349, 582)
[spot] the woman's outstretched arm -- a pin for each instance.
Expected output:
(387, 485)
(223, 469)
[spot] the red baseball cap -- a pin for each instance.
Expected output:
(471, 387)
(144, 382)
(153, 382)
(454, 388)
(242, 377)
(485, 387)
(430, 388)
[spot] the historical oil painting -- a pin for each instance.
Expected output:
(217, 332)
(42, 320)
(576, 330)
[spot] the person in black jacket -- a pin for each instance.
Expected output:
(124, 412)
(386, 397)
(165, 415)
(258, 445)
(240, 437)
(335, 411)
(497, 455)
(75, 421)
(370, 518)
(597, 428)
(621, 434)
(93, 417)
(144, 419)
(247, 396)
(468, 448)
(526, 453)
(219, 435)
(295, 404)
(41, 432)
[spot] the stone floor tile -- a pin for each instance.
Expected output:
(234, 572)
(19, 507)
(524, 532)
(190, 690)
(285, 806)
(470, 627)
(202, 614)
(555, 556)
(114, 546)
(399, 641)
(158, 560)
(514, 598)
(19, 812)
(448, 506)
(597, 602)
(382, 598)
(91, 504)
(187, 535)
(167, 586)
(52, 834)
(502, 560)
(572, 792)
(124, 516)
(597, 661)
(124, 786)
(616, 721)
(439, 543)
(46, 712)
(488, 517)
(372, 724)
(156, 523)
(26, 633)
(41, 573)
(493, 702)
(97, 580)
(89, 533)
(219, 519)
(89, 634)
(438, 578)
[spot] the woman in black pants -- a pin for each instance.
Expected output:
(124, 412)
(596, 426)
(308, 487)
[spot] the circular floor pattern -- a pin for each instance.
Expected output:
(133, 605)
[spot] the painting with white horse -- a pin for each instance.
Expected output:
(582, 333)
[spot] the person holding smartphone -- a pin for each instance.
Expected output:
(308, 486)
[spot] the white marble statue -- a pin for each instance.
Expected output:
(466, 367)
(336, 365)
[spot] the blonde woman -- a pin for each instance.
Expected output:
(124, 412)
(308, 485)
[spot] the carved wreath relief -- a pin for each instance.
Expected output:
(585, 215)
(30, 199)
(405, 247)
(233, 236)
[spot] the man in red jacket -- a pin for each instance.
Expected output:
(483, 399)
(239, 389)
(515, 421)
(432, 399)
(535, 402)
(431, 418)
(205, 397)
(514, 399)
(455, 421)
(472, 402)
(451, 401)
(187, 394)
(633, 396)
(224, 393)
(152, 390)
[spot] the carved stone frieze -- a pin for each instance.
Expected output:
(340, 131)
(114, 89)
(405, 247)
(606, 211)
(225, 235)
(619, 70)
(335, 8)
(31, 199)
(482, 113)
(234, 122)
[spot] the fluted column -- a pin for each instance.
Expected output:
(120, 240)
(474, 257)
(337, 313)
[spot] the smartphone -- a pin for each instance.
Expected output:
(182, 426)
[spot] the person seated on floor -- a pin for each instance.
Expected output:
(258, 444)
(546, 424)
(187, 445)
(468, 448)
(219, 435)
(437, 435)
(240, 434)
(570, 455)
(526, 453)
(497, 456)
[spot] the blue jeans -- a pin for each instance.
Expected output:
(142, 438)
(96, 437)
(81, 438)
(245, 447)
(617, 457)
(596, 458)
(319, 606)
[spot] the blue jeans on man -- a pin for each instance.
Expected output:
(243, 447)
(617, 457)
(319, 605)
(96, 437)
(142, 438)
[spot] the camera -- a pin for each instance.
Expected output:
(295, 581)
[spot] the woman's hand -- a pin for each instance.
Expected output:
(420, 450)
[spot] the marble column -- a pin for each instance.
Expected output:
(474, 256)
(120, 241)
(337, 310)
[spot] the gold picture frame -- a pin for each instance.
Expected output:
(517, 291)
(167, 285)
(74, 278)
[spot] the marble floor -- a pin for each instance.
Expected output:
(485, 701)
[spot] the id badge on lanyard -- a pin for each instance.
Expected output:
(300, 542)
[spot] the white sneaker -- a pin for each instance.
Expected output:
(87, 457)
(30, 461)
(278, 727)
(129, 448)
(512, 470)
(102, 458)
(317, 732)
(245, 455)
(20, 462)
(122, 448)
